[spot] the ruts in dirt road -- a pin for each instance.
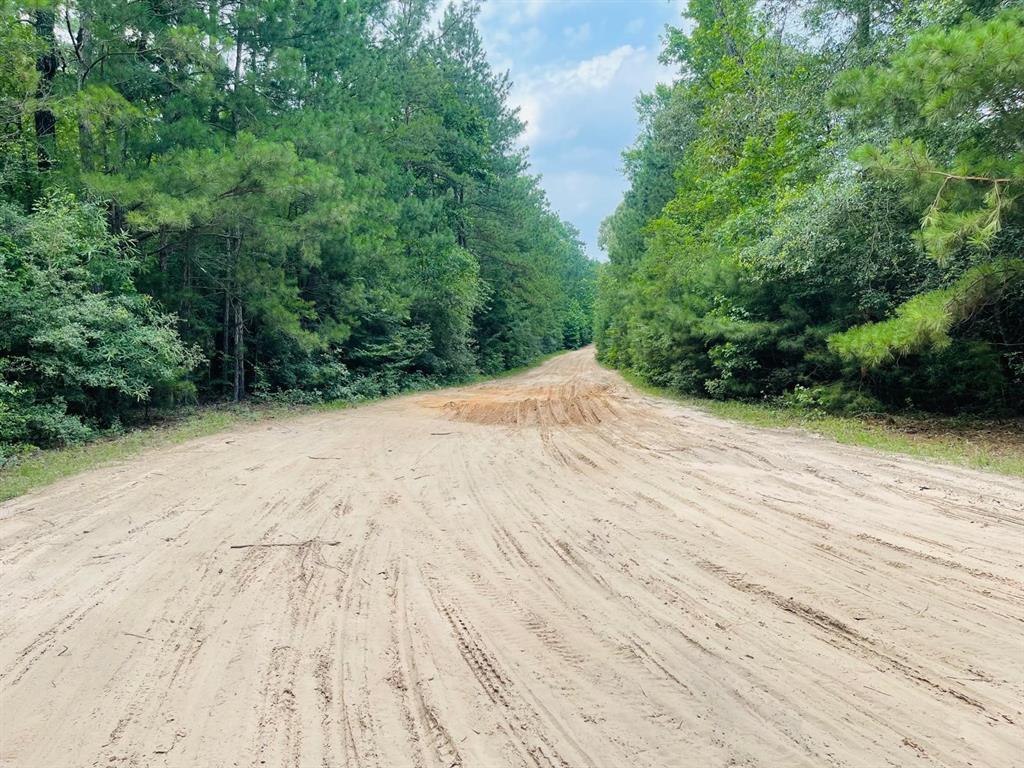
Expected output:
(549, 570)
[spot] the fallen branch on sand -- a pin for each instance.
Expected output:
(287, 544)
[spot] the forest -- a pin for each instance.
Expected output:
(279, 200)
(824, 209)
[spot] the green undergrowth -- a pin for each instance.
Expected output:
(31, 470)
(997, 446)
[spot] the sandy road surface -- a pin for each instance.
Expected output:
(550, 570)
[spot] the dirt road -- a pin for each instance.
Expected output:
(549, 570)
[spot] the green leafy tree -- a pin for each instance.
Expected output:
(758, 253)
(961, 91)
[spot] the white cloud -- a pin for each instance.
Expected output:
(598, 72)
(555, 102)
(529, 112)
(577, 35)
(498, 16)
(512, 12)
(534, 8)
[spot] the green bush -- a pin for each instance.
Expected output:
(80, 349)
(838, 398)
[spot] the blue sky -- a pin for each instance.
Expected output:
(578, 65)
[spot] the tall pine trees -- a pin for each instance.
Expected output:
(309, 199)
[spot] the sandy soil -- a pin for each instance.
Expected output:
(550, 570)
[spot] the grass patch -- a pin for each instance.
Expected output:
(38, 468)
(997, 446)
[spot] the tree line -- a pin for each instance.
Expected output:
(285, 199)
(825, 209)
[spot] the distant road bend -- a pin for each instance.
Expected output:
(551, 570)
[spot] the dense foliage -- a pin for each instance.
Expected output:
(834, 219)
(298, 199)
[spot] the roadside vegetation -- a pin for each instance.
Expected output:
(284, 203)
(825, 213)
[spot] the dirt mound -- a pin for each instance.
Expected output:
(573, 403)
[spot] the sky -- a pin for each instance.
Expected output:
(578, 66)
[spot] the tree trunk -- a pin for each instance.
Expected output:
(237, 79)
(83, 50)
(226, 345)
(863, 23)
(185, 304)
(461, 234)
(46, 65)
(239, 353)
(730, 43)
